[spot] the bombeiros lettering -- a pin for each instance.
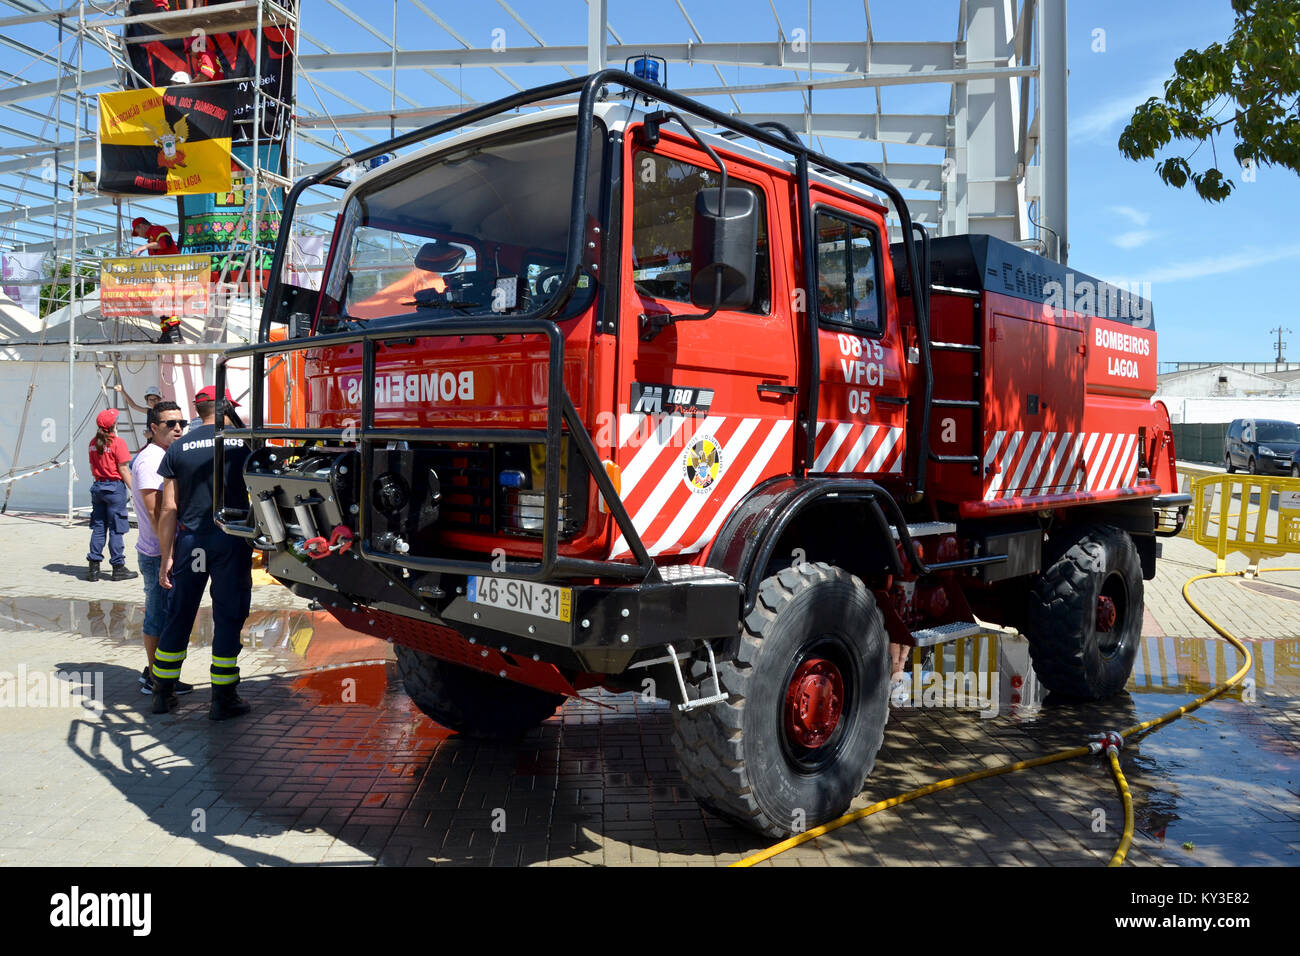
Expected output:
(409, 388)
(1122, 341)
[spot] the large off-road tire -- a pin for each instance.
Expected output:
(1077, 649)
(777, 756)
(471, 702)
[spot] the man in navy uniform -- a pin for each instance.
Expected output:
(194, 548)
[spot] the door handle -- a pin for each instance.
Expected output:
(777, 389)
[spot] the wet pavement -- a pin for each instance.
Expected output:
(336, 766)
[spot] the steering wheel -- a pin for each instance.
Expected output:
(543, 278)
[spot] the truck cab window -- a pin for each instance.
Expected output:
(663, 216)
(392, 272)
(848, 273)
(462, 232)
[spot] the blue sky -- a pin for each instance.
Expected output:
(1221, 275)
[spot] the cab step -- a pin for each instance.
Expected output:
(955, 631)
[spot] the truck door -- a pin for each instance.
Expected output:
(707, 408)
(861, 404)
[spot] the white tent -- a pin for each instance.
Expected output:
(34, 382)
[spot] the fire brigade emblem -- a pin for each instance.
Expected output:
(702, 463)
(168, 141)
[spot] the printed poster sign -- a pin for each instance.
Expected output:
(212, 223)
(156, 286)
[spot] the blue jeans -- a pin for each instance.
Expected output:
(155, 597)
(108, 517)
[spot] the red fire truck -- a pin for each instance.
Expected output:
(628, 392)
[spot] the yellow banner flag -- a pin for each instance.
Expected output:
(165, 141)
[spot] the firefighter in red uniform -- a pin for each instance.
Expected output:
(204, 66)
(160, 243)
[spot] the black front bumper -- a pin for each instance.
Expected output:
(609, 626)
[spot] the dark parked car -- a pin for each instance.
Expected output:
(1262, 446)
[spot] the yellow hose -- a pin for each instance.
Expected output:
(1126, 838)
(1121, 784)
(848, 818)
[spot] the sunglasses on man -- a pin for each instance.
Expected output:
(174, 423)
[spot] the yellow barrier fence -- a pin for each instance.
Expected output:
(1254, 515)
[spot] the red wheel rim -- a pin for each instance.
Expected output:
(1106, 613)
(814, 702)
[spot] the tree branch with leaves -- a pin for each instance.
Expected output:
(1250, 84)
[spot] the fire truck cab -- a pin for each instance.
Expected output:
(632, 393)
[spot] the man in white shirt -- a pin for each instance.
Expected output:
(165, 425)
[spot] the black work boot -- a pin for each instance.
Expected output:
(122, 573)
(164, 695)
(227, 703)
(93, 573)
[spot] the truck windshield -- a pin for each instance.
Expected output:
(477, 230)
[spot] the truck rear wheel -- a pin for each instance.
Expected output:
(809, 696)
(1085, 616)
(471, 702)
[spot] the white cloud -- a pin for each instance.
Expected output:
(1134, 239)
(1104, 117)
(1194, 269)
(1138, 217)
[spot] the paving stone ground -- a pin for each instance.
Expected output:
(335, 766)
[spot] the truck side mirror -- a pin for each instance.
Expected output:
(295, 309)
(724, 244)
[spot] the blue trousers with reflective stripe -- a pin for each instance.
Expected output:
(228, 562)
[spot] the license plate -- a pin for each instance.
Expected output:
(526, 597)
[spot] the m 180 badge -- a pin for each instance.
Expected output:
(702, 463)
(670, 399)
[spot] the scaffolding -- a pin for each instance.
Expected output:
(243, 261)
(992, 160)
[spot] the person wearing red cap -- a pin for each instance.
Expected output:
(204, 399)
(110, 463)
(159, 242)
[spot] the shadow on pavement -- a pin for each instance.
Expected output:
(79, 570)
(338, 766)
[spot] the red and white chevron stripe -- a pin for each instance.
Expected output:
(858, 447)
(670, 517)
(1039, 463)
